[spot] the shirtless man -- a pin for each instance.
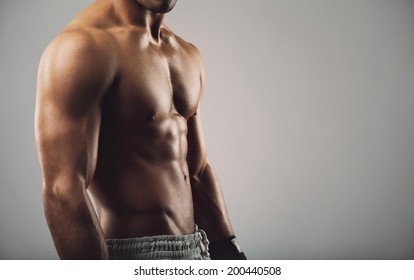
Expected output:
(117, 113)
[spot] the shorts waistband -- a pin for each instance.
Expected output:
(188, 247)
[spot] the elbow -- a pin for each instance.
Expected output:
(61, 190)
(53, 194)
(197, 174)
(53, 199)
(51, 190)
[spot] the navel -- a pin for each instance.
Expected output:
(152, 116)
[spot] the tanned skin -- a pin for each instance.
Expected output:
(117, 113)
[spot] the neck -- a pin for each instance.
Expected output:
(133, 13)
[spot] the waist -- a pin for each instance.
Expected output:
(130, 225)
(179, 247)
(140, 198)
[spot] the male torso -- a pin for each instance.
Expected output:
(117, 114)
(141, 185)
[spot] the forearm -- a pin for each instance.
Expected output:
(209, 206)
(73, 224)
(211, 215)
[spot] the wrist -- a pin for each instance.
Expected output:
(226, 249)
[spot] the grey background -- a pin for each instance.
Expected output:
(308, 118)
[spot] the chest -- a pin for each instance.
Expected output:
(154, 83)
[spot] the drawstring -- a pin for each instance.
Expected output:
(204, 242)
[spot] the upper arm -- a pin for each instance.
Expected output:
(197, 155)
(74, 75)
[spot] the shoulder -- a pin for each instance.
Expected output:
(76, 68)
(182, 44)
(83, 36)
(83, 45)
(190, 48)
(197, 58)
(79, 54)
(192, 52)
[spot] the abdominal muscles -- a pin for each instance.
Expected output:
(141, 184)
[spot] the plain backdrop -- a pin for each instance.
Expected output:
(308, 118)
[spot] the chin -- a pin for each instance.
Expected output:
(170, 4)
(158, 6)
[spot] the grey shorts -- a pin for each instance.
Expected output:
(161, 247)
